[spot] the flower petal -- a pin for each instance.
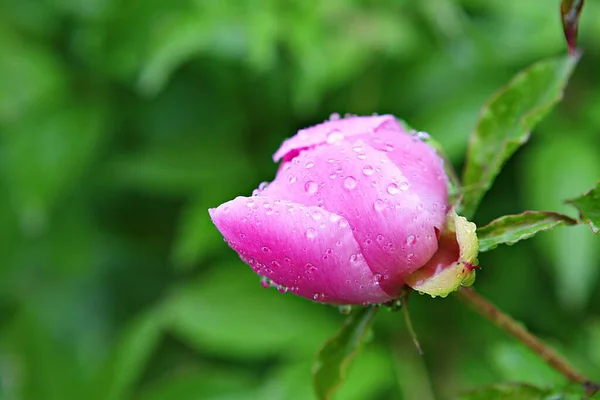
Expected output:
(453, 263)
(393, 222)
(332, 131)
(418, 161)
(304, 249)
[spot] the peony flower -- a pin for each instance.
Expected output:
(358, 208)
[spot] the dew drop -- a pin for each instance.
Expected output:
(343, 223)
(334, 136)
(367, 170)
(388, 147)
(317, 216)
(268, 211)
(309, 164)
(334, 116)
(350, 182)
(378, 205)
(377, 279)
(282, 289)
(393, 189)
(403, 185)
(265, 282)
(311, 233)
(250, 203)
(411, 240)
(357, 149)
(311, 187)
(292, 179)
(318, 297)
(345, 309)
(265, 249)
(361, 156)
(353, 258)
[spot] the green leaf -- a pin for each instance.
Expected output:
(335, 355)
(589, 207)
(570, 10)
(211, 313)
(127, 362)
(511, 229)
(200, 384)
(506, 122)
(564, 165)
(507, 391)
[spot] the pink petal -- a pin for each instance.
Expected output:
(419, 163)
(392, 218)
(305, 249)
(332, 131)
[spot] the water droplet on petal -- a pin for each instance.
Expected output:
(317, 216)
(318, 297)
(268, 211)
(378, 205)
(275, 264)
(265, 282)
(334, 218)
(334, 116)
(334, 136)
(311, 233)
(250, 202)
(292, 179)
(265, 249)
(403, 185)
(353, 258)
(350, 182)
(377, 279)
(309, 164)
(411, 240)
(393, 189)
(361, 156)
(388, 147)
(357, 149)
(367, 170)
(343, 223)
(311, 187)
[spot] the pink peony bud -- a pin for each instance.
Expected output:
(357, 206)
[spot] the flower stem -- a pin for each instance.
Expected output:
(506, 323)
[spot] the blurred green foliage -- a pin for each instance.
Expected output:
(121, 122)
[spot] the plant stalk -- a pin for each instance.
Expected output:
(509, 325)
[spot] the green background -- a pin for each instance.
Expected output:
(121, 122)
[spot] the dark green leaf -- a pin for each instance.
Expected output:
(511, 229)
(506, 122)
(335, 355)
(570, 10)
(589, 207)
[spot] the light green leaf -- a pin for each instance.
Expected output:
(45, 155)
(201, 384)
(589, 207)
(509, 391)
(211, 313)
(517, 363)
(506, 122)
(128, 359)
(334, 357)
(555, 169)
(511, 229)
